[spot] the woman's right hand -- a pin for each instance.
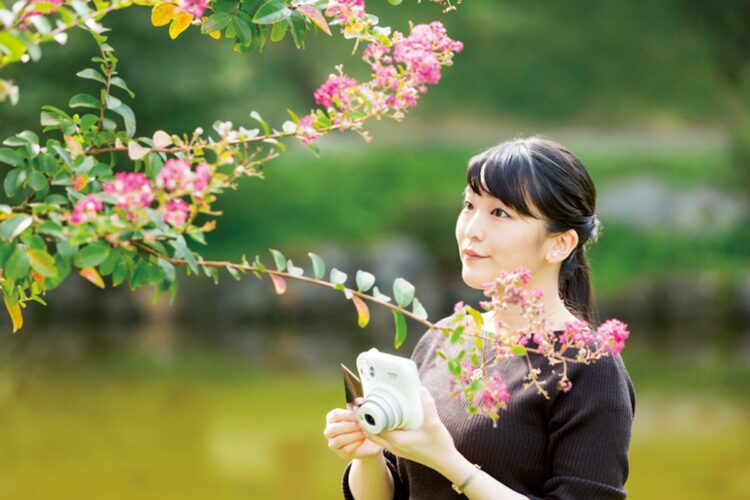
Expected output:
(345, 437)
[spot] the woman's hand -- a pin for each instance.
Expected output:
(427, 445)
(345, 437)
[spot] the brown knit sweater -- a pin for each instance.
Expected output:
(573, 446)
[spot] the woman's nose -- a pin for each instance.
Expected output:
(474, 227)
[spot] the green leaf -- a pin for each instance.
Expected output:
(10, 157)
(84, 101)
(279, 258)
(14, 181)
(278, 31)
(272, 12)
(244, 33)
(456, 335)
(18, 265)
(518, 350)
(337, 277)
(37, 180)
(119, 82)
(42, 262)
(217, 22)
(92, 74)
(127, 116)
(319, 267)
(120, 272)
(380, 296)
(182, 251)
(91, 255)
(294, 270)
(10, 228)
(11, 45)
(403, 291)
(418, 309)
(454, 366)
(400, 328)
(298, 27)
(365, 281)
(234, 272)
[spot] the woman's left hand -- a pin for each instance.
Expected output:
(425, 445)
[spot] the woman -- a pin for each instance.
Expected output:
(528, 202)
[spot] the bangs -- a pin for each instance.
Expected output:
(505, 172)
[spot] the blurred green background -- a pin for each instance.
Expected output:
(224, 394)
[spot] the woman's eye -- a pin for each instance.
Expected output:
(467, 204)
(500, 211)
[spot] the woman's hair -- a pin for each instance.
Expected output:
(540, 173)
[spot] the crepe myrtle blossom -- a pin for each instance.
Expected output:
(612, 335)
(348, 11)
(130, 190)
(494, 397)
(335, 91)
(178, 175)
(306, 130)
(24, 18)
(194, 7)
(578, 342)
(175, 212)
(86, 209)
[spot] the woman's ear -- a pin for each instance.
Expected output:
(561, 245)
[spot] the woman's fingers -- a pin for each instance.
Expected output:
(336, 428)
(342, 440)
(339, 414)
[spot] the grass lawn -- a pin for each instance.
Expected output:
(202, 427)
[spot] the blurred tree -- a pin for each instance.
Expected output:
(727, 25)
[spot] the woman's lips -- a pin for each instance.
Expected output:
(470, 256)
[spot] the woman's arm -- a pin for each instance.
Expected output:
(371, 479)
(456, 469)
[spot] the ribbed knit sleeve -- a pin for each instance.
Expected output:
(589, 434)
(401, 492)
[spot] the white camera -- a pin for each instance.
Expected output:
(390, 385)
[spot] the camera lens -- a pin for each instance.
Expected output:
(369, 419)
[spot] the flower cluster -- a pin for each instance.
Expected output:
(335, 91)
(347, 11)
(177, 175)
(194, 7)
(24, 18)
(130, 190)
(578, 343)
(86, 209)
(493, 398)
(401, 66)
(175, 212)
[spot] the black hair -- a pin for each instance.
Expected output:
(540, 178)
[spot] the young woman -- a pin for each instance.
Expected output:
(528, 202)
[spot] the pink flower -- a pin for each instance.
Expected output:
(577, 332)
(86, 209)
(612, 335)
(194, 7)
(334, 91)
(306, 130)
(458, 307)
(495, 396)
(178, 175)
(176, 212)
(346, 10)
(130, 190)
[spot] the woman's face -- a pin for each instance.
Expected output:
(501, 237)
